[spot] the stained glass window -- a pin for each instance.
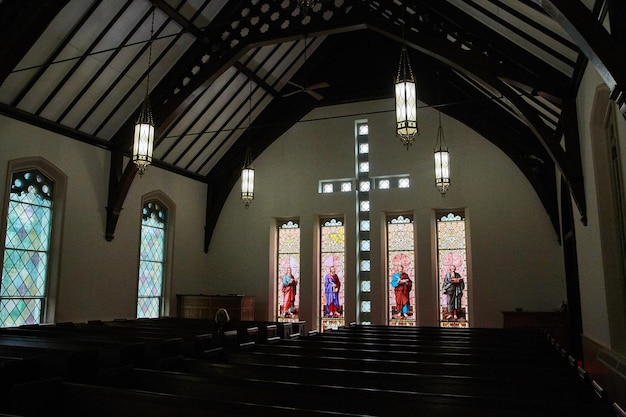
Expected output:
(288, 274)
(26, 249)
(401, 270)
(332, 273)
(452, 267)
(151, 260)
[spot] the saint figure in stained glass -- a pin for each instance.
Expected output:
(452, 276)
(288, 271)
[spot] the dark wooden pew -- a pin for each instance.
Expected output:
(69, 399)
(386, 364)
(19, 369)
(502, 386)
(483, 337)
(109, 351)
(188, 328)
(70, 362)
(419, 346)
(517, 364)
(190, 342)
(345, 398)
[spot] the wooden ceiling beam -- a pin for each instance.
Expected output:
(596, 43)
(477, 67)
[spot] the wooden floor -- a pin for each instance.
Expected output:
(187, 367)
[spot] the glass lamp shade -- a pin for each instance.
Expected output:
(406, 102)
(247, 180)
(143, 140)
(442, 169)
(247, 185)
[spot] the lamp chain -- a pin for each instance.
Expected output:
(150, 54)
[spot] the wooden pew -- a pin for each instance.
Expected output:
(188, 328)
(70, 362)
(69, 399)
(504, 387)
(19, 369)
(345, 398)
(109, 351)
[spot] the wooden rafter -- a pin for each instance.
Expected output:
(601, 49)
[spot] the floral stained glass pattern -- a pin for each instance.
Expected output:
(151, 260)
(332, 273)
(452, 260)
(401, 260)
(27, 242)
(288, 274)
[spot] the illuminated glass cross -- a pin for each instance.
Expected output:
(361, 185)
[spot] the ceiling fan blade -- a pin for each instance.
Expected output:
(292, 93)
(295, 85)
(315, 95)
(318, 85)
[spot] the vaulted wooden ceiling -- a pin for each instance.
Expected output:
(223, 76)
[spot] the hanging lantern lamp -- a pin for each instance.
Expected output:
(406, 101)
(247, 180)
(442, 162)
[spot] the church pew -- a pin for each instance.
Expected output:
(70, 362)
(108, 352)
(80, 400)
(423, 346)
(266, 329)
(503, 386)
(386, 365)
(18, 369)
(71, 399)
(345, 398)
(508, 363)
(246, 333)
(196, 341)
(485, 337)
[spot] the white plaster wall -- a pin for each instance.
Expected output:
(516, 260)
(588, 242)
(98, 279)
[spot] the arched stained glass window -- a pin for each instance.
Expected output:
(401, 270)
(26, 249)
(288, 308)
(452, 270)
(151, 260)
(332, 273)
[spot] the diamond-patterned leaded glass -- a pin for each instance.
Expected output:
(151, 260)
(27, 242)
(288, 274)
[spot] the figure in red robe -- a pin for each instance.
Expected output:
(402, 285)
(289, 293)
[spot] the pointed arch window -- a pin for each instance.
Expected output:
(32, 222)
(332, 240)
(288, 308)
(401, 270)
(452, 276)
(152, 256)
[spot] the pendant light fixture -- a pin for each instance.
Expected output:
(143, 141)
(247, 172)
(247, 180)
(306, 5)
(442, 162)
(442, 156)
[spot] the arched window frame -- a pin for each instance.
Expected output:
(161, 198)
(58, 177)
(605, 140)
